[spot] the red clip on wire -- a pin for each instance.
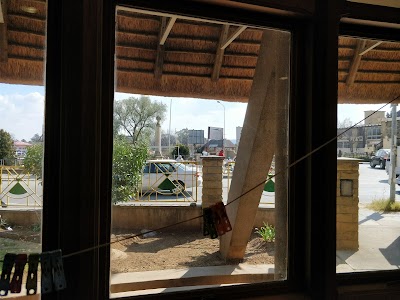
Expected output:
(220, 217)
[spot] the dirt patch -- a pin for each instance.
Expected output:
(22, 234)
(175, 250)
(19, 240)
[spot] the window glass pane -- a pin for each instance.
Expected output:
(368, 207)
(192, 101)
(22, 61)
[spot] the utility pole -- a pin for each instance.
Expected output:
(223, 138)
(393, 154)
(169, 129)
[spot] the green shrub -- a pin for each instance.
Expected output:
(128, 161)
(34, 159)
(267, 232)
(384, 205)
(6, 148)
(183, 150)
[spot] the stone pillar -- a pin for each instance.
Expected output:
(347, 204)
(212, 180)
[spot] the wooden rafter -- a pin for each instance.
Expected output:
(355, 63)
(233, 36)
(220, 53)
(3, 31)
(1, 13)
(369, 48)
(160, 50)
(165, 29)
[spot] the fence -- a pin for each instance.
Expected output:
(268, 195)
(170, 181)
(19, 188)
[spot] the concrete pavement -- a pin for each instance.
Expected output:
(379, 244)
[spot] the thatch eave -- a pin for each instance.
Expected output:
(186, 62)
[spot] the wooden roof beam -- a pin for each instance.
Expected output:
(160, 50)
(165, 29)
(371, 47)
(355, 63)
(219, 56)
(233, 36)
(3, 31)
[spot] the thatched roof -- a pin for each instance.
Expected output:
(191, 62)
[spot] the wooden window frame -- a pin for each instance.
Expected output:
(78, 140)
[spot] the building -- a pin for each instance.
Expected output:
(21, 148)
(386, 130)
(214, 146)
(364, 139)
(80, 83)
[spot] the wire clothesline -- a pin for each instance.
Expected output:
(235, 199)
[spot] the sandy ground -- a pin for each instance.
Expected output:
(175, 250)
(165, 250)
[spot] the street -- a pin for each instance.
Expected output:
(373, 184)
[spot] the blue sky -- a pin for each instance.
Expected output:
(22, 110)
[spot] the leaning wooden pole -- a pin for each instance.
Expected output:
(257, 144)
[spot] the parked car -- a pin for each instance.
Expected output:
(169, 176)
(380, 158)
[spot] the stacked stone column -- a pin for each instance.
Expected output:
(347, 204)
(212, 180)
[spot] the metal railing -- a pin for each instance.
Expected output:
(268, 194)
(169, 181)
(19, 188)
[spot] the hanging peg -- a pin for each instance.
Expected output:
(59, 281)
(31, 280)
(221, 219)
(208, 224)
(47, 273)
(16, 281)
(8, 264)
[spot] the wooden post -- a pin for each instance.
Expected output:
(257, 145)
(281, 164)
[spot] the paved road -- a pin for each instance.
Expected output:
(373, 184)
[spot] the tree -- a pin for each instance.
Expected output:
(181, 149)
(137, 116)
(34, 159)
(166, 139)
(346, 123)
(6, 145)
(347, 134)
(128, 161)
(37, 138)
(389, 114)
(183, 136)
